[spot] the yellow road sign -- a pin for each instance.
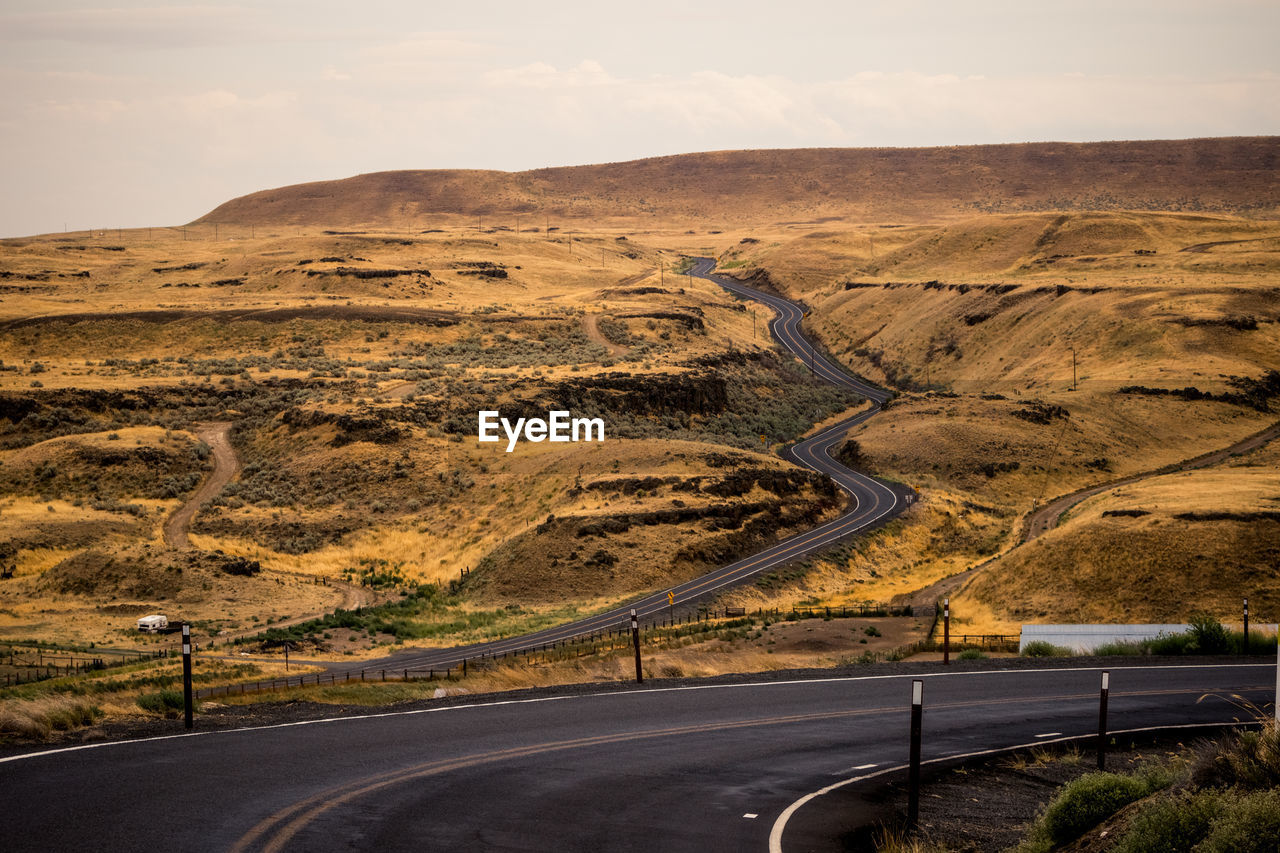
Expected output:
(671, 598)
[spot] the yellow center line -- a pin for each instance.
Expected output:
(278, 829)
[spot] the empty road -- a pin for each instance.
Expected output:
(873, 502)
(702, 768)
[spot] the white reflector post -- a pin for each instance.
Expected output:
(917, 692)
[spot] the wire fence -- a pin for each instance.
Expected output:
(600, 641)
(23, 664)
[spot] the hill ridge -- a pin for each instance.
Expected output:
(1223, 174)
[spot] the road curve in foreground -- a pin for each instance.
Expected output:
(873, 502)
(694, 768)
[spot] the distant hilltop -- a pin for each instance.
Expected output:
(1239, 175)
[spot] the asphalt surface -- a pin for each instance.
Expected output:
(873, 503)
(706, 768)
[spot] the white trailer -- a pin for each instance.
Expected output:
(153, 624)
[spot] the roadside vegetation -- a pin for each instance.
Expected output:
(1218, 797)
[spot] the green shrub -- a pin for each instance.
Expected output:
(971, 654)
(1209, 636)
(1123, 647)
(1172, 824)
(1259, 643)
(1045, 649)
(1086, 802)
(1247, 824)
(1171, 644)
(167, 702)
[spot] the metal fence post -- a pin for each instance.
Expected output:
(1246, 627)
(186, 675)
(913, 774)
(1102, 720)
(946, 631)
(635, 641)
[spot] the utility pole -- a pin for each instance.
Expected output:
(1073, 368)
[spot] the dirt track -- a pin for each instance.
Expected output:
(1047, 517)
(591, 327)
(225, 466)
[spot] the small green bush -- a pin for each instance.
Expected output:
(971, 654)
(1209, 635)
(1172, 824)
(1086, 802)
(1122, 647)
(1171, 644)
(1045, 649)
(1247, 824)
(167, 702)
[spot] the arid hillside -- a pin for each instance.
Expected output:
(1236, 175)
(1051, 317)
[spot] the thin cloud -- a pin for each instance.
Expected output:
(160, 26)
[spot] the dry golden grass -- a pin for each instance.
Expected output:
(1197, 541)
(940, 535)
(946, 442)
(1136, 307)
(762, 647)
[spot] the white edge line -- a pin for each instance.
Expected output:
(775, 834)
(613, 693)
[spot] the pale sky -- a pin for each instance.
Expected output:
(119, 115)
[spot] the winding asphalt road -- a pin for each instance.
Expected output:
(873, 502)
(712, 767)
(763, 765)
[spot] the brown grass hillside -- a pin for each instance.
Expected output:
(1234, 174)
(1154, 551)
(351, 330)
(1172, 318)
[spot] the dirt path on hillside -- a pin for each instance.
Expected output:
(1047, 517)
(591, 326)
(353, 596)
(225, 466)
(1199, 248)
